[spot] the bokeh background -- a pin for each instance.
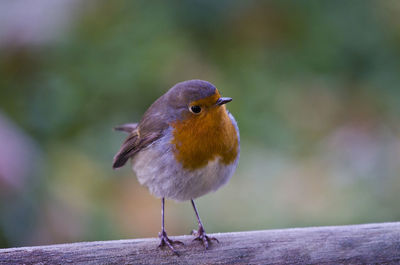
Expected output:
(316, 96)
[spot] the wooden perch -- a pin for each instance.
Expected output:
(353, 244)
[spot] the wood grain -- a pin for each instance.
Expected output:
(353, 244)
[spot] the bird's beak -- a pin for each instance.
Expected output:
(222, 101)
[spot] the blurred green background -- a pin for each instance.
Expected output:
(316, 96)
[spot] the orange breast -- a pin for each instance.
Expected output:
(200, 139)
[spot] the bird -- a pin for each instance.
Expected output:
(186, 145)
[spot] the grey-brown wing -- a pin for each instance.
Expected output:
(150, 129)
(132, 145)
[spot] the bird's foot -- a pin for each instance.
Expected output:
(202, 237)
(166, 241)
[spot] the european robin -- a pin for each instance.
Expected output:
(186, 145)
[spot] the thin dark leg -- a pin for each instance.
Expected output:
(162, 214)
(163, 234)
(201, 233)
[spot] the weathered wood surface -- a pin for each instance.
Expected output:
(354, 244)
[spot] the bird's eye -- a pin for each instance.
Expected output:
(195, 109)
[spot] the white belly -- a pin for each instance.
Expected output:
(157, 169)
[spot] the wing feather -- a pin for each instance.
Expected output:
(150, 129)
(132, 145)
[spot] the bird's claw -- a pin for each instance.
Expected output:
(166, 241)
(202, 237)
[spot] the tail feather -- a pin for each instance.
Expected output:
(128, 127)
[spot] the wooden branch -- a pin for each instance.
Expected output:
(354, 244)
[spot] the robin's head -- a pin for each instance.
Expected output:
(195, 99)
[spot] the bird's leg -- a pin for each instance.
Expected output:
(163, 235)
(201, 233)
